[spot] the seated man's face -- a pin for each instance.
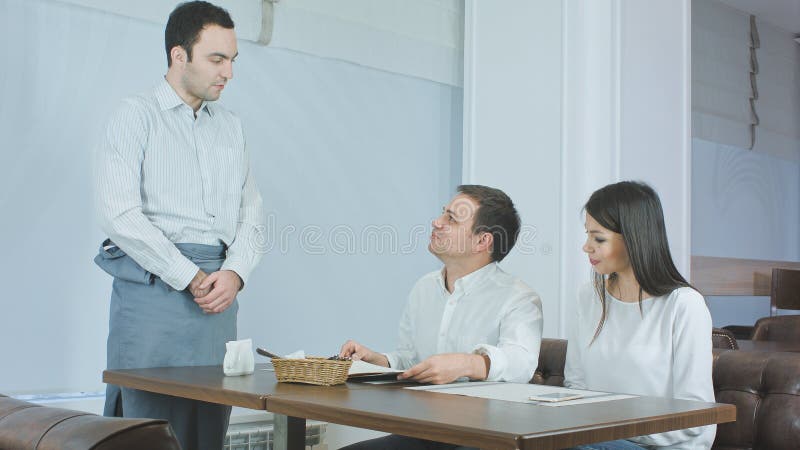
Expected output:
(452, 235)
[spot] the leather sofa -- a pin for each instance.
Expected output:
(777, 328)
(29, 426)
(764, 386)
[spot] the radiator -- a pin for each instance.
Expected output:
(259, 435)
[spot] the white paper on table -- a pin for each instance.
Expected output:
(519, 392)
(363, 368)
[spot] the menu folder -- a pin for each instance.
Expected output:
(374, 376)
(364, 371)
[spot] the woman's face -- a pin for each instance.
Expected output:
(605, 248)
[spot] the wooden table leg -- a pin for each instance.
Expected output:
(289, 433)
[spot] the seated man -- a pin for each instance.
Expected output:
(470, 319)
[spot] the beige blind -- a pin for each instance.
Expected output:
(721, 68)
(745, 81)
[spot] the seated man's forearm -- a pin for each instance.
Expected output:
(380, 360)
(479, 367)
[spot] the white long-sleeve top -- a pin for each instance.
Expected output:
(489, 312)
(664, 350)
(163, 177)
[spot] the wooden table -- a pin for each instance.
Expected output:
(768, 346)
(468, 421)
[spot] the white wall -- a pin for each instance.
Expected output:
(574, 95)
(745, 204)
(419, 38)
(655, 110)
(335, 147)
(512, 128)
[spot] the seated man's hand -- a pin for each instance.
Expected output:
(356, 351)
(224, 285)
(446, 368)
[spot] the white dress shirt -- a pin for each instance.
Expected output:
(164, 176)
(489, 312)
(664, 350)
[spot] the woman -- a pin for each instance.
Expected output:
(641, 328)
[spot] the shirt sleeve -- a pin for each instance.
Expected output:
(246, 250)
(405, 356)
(574, 376)
(692, 364)
(118, 200)
(516, 355)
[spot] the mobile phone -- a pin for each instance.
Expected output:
(555, 397)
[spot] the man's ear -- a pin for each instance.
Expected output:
(178, 55)
(485, 242)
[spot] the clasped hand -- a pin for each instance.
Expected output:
(215, 292)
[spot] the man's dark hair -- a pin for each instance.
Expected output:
(496, 215)
(186, 22)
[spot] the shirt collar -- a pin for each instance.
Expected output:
(169, 99)
(471, 280)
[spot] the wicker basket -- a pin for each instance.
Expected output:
(312, 370)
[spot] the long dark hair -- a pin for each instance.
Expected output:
(633, 210)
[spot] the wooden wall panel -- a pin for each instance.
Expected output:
(713, 275)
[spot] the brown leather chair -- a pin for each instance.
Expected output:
(740, 331)
(722, 338)
(784, 290)
(29, 426)
(777, 328)
(552, 355)
(765, 387)
(784, 294)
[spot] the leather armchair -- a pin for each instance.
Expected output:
(765, 387)
(722, 338)
(30, 426)
(777, 328)
(552, 356)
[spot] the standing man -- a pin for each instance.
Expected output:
(175, 196)
(469, 319)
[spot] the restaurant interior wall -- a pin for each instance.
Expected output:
(556, 110)
(745, 205)
(340, 151)
(745, 202)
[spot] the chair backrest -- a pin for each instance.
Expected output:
(552, 357)
(784, 290)
(722, 338)
(765, 387)
(25, 426)
(778, 328)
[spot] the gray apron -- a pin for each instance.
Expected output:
(153, 325)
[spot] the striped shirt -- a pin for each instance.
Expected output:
(163, 177)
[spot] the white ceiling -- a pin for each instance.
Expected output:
(783, 13)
